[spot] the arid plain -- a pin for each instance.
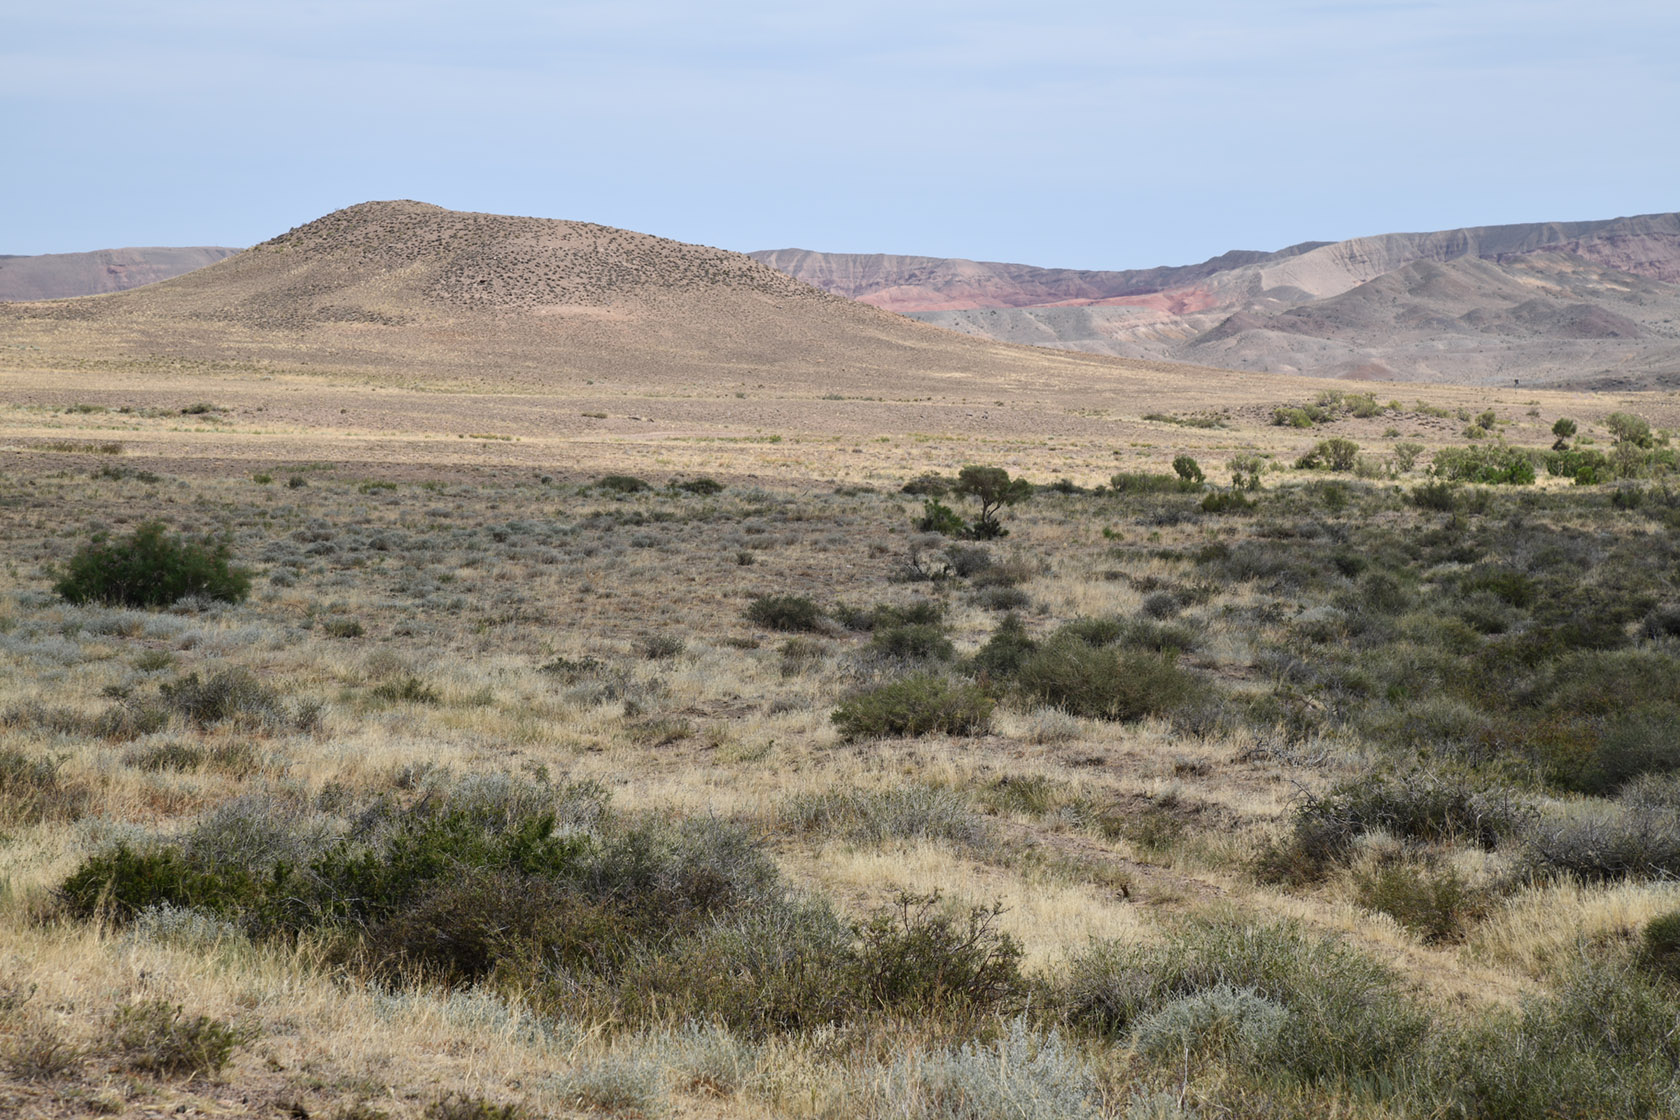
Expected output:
(584, 539)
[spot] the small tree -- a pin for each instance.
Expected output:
(1188, 469)
(1629, 429)
(1336, 454)
(993, 489)
(1405, 455)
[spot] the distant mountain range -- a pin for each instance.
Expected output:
(61, 275)
(1574, 303)
(1566, 302)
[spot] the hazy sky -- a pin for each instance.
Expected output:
(1096, 135)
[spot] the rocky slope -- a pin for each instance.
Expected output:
(62, 275)
(1574, 302)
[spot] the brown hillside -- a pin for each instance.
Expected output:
(409, 291)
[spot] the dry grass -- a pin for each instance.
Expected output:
(523, 610)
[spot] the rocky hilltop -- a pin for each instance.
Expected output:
(1562, 302)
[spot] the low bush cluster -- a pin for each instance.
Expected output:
(641, 920)
(1270, 994)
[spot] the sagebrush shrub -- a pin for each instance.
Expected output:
(1235, 1023)
(1415, 805)
(460, 1106)
(915, 955)
(1005, 651)
(1022, 1075)
(1602, 1044)
(906, 812)
(235, 696)
(921, 704)
(914, 641)
(1103, 682)
(32, 790)
(1433, 902)
(622, 484)
(793, 613)
(1660, 944)
(1348, 1015)
(152, 568)
(156, 1037)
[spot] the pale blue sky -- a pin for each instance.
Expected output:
(1095, 135)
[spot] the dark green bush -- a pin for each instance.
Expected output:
(937, 517)
(792, 613)
(922, 704)
(151, 568)
(124, 881)
(1005, 651)
(1188, 470)
(913, 641)
(705, 487)
(1660, 944)
(923, 612)
(1336, 454)
(1493, 463)
(622, 484)
(1104, 683)
(1585, 465)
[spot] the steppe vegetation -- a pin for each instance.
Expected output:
(481, 668)
(1342, 783)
